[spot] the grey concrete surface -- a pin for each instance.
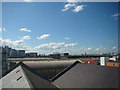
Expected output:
(88, 76)
(15, 79)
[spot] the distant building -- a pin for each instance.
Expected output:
(3, 61)
(115, 64)
(60, 55)
(114, 58)
(55, 55)
(13, 52)
(113, 61)
(89, 61)
(31, 54)
(7, 49)
(103, 60)
(64, 55)
(21, 53)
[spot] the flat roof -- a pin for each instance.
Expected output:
(87, 76)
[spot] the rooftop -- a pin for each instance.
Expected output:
(87, 76)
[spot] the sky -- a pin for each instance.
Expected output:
(73, 27)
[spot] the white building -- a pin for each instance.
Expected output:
(114, 58)
(103, 60)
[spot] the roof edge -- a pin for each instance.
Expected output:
(12, 68)
(64, 71)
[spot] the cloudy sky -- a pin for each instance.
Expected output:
(73, 27)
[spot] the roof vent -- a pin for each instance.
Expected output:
(19, 78)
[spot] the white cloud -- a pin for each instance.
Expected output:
(73, 1)
(56, 45)
(97, 49)
(66, 38)
(28, 0)
(49, 48)
(25, 29)
(17, 42)
(60, 47)
(114, 47)
(65, 9)
(51, 45)
(2, 29)
(79, 8)
(26, 38)
(85, 49)
(10, 42)
(44, 36)
(116, 15)
(74, 50)
(89, 48)
(75, 5)
(67, 6)
(110, 40)
(70, 45)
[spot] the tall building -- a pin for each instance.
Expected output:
(21, 53)
(3, 61)
(13, 52)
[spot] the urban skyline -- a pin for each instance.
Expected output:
(49, 27)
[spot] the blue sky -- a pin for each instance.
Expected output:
(47, 27)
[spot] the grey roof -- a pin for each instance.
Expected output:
(47, 64)
(87, 76)
(21, 76)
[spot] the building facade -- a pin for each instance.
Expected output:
(3, 61)
(31, 54)
(115, 64)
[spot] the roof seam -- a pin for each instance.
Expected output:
(27, 78)
(64, 71)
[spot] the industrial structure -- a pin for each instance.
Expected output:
(76, 75)
(106, 61)
(46, 69)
